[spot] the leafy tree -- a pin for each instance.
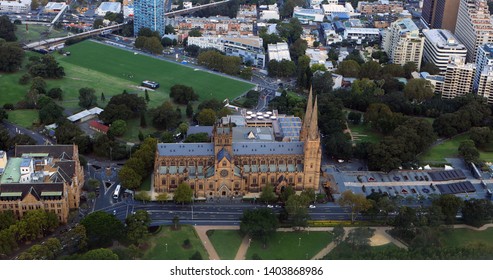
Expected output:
(98, 23)
(189, 110)
(87, 98)
(7, 29)
(99, 254)
(359, 238)
(39, 84)
(246, 73)
(3, 115)
(202, 137)
(291, 30)
(394, 70)
(24, 79)
(167, 137)
(165, 116)
(183, 194)
(8, 240)
(116, 17)
(405, 223)
(468, 151)
(102, 228)
(450, 205)
(153, 45)
(147, 32)
(7, 218)
(418, 90)
(357, 203)
(298, 48)
(182, 94)
(371, 70)
(297, 208)
(169, 29)
(356, 56)
(46, 67)
(409, 67)
(259, 224)
(196, 256)
(162, 197)
(206, 117)
(129, 178)
(268, 195)
(213, 104)
(11, 56)
(322, 82)
(477, 212)
(143, 196)
(138, 226)
(103, 98)
(481, 136)
(348, 68)
(286, 193)
(114, 112)
(50, 113)
(195, 33)
(55, 93)
(354, 117)
(429, 67)
(118, 127)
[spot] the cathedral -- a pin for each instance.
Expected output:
(247, 152)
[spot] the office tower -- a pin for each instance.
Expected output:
(440, 46)
(403, 43)
(440, 14)
(150, 14)
(484, 58)
(474, 27)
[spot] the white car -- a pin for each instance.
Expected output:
(270, 206)
(312, 206)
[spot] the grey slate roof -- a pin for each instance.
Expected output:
(268, 148)
(200, 129)
(182, 149)
(56, 151)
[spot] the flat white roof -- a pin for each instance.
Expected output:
(85, 113)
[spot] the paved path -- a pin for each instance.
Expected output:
(245, 243)
(484, 227)
(383, 231)
(331, 245)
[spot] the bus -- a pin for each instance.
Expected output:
(116, 194)
(150, 84)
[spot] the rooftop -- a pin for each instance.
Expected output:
(406, 25)
(12, 172)
(443, 39)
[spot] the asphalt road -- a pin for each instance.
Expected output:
(15, 129)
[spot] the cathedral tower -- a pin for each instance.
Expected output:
(312, 149)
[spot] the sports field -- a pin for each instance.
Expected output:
(111, 70)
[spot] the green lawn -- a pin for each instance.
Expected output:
(226, 242)
(343, 251)
(463, 237)
(363, 132)
(133, 128)
(174, 250)
(448, 148)
(24, 118)
(111, 70)
(36, 32)
(284, 246)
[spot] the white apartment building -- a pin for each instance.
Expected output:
(308, 15)
(278, 51)
(247, 48)
(474, 27)
(459, 78)
(360, 34)
(269, 12)
(440, 46)
(403, 43)
(16, 6)
(485, 85)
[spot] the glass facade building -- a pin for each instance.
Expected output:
(150, 14)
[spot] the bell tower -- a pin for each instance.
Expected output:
(312, 149)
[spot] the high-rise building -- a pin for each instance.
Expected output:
(403, 43)
(485, 84)
(440, 14)
(484, 58)
(150, 14)
(440, 46)
(474, 27)
(459, 78)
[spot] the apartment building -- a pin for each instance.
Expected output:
(440, 14)
(440, 46)
(380, 7)
(458, 78)
(403, 43)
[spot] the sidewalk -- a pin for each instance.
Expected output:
(202, 233)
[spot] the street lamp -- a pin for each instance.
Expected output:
(299, 242)
(166, 247)
(249, 241)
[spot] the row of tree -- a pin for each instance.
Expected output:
(139, 166)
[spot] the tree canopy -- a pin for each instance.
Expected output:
(102, 228)
(183, 194)
(259, 224)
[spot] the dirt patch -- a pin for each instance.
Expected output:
(379, 239)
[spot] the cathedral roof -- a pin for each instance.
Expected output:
(223, 154)
(268, 148)
(183, 149)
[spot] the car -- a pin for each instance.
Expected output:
(114, 212)
(270, 206)
(312, 206)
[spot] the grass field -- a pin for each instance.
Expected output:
(449, 148)
(111, 70)
(36, 32)
(174, 250)
(363, 132)
(464, 237)
(284, 246)
(226, 242)
(24, 118)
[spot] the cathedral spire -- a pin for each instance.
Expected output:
(313, 133)
(308, 116)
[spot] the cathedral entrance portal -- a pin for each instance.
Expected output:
(224, 191)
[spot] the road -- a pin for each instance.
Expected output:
(15, 129)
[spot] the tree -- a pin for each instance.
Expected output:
(116, 17)
(357, 203)
(98, 23)
(11, 56)
(322, 82)
(38, 84)
(118, 127)
(429, 67)
(348, 68)
(286, 192)
(259, 224)
(477, 212)
(147, 32)
(46, 67)
(87, 98)
(183, 128)
(297, 208)
(50, 113)
(418, 90)
(162, 197)
(129, 178)
(166, 42)
(359, 238)
(55, 93)
(370, 70)
(153, 45)
(481, 135)
(195, 33)
(169, 29)
(3, 115)
(165, 116)
(7, 29)
(409, 67)
(338, 233)
(298, 48)
(143, 196)
(450, 205)
(182, 94)
(102, 228)
(99, 254)
(189, 110)
(167, 137)
(7, 218)
(202, 137)
(267, 195)
(138, 226)
(394, 70)
(103, 98)
(196, 256)
(183, 194)
(147, 96)
(468, 151)
(206, 117)
(246, 73)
